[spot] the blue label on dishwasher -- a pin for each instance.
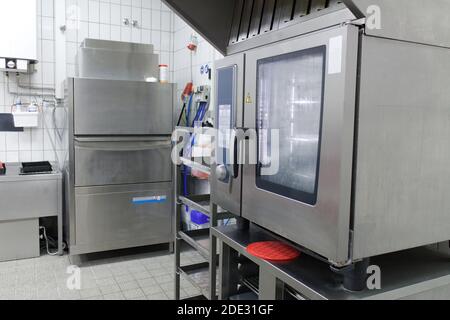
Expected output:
(146, 200)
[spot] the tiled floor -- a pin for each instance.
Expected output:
(114, 276)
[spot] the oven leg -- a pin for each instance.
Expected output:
(355, 275)
(242, 224)
(228, 272)
(267, 285)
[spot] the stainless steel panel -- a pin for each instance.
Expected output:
(227, 194)
(104, 107)
(234, 34)
(257, 14)
(128, 47)
(301, 8)
(401, 198)
(245, 20)
(107, 161)
(69, 166)
(268, 16)
(24, 199)
(317, 5)
(115, 217)
(324, 227)
(19, 239)
(320, 20)
(419, 21)
(285, 10)
(41, 199)
(332, 3)
(114, 60)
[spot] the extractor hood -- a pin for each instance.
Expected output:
(230, 24)
(420, 21)
(210, 18)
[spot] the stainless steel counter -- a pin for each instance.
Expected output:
(13, 174)
(414, 274)
(24, 199)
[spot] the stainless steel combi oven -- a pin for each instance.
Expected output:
(361, 108)
(293, 88)
(302, 89)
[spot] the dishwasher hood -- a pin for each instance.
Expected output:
(238, 25)
(114, 60)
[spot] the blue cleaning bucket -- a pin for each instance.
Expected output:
(199, 218)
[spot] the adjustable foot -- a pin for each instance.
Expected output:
(355, 275)
(243, 224)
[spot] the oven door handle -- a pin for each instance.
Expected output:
(235, 160)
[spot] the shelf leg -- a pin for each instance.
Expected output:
(267, 285)
(177, 242)
(177, 245)
(213, 255)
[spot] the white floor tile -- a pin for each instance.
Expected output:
(152, 290)
(158, 296)
(133, 294)
(114, 296)
(129, 285)
(114, 288)
(134, 277)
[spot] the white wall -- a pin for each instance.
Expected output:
(205, 54)
(101, 20)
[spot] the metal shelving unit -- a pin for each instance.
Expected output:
(198, 276)
(201, 275)
(197, 239)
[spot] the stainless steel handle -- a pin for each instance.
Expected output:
(121, 146)
(121, 139)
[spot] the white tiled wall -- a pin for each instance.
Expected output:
(204, 55)
(100, 19)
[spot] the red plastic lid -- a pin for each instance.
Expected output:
(164, 65)
(273, 251)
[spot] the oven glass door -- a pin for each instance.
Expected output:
(289, 99)
(299, 101)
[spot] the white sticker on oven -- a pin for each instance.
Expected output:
(225, 118)
(335, 55)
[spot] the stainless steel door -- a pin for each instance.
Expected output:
(304, 88)
(226, 174)
(110, 107)
(108, 161)
(115, 217)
